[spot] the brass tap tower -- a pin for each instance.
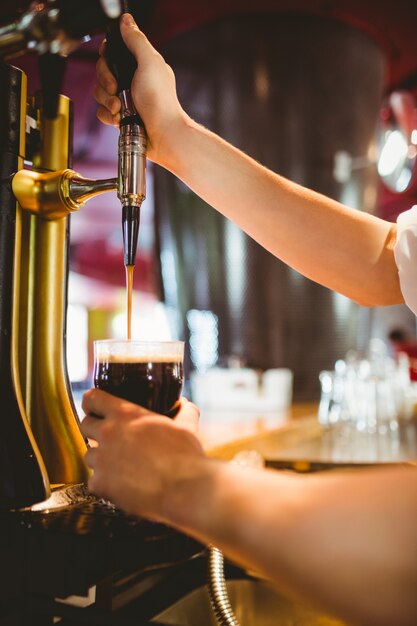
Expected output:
(39, 426)
(46, 195)
(40, 441)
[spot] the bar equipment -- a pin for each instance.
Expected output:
(34, 259)
(71, 556)
(63, 550)
(37, 325)
(22, 471)
(131, 180)
(57, 27)
(46, 195)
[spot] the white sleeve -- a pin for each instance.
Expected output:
(405, 253)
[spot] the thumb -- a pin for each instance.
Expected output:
(188, 416)
(134, 39)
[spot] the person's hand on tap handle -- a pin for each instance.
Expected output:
(153, 91)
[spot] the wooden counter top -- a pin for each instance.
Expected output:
(295, 439)
(221, 427)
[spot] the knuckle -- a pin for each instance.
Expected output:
(106, 432)
(86, 399)
(127, 412)
(96, 92)
(109, 83)
(113, 104)
(105, 77)
(102, 48)
(100, 66)
(170, 70)
(103, 115)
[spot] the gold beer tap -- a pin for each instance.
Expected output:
(53, 195)
(38, 266)
(46, 196)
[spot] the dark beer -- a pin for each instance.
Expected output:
(154, 382)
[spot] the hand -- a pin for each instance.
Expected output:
(153, 91)
(140, 456)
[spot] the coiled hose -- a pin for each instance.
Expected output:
(219, 598)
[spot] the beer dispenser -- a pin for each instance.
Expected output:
(40, 441)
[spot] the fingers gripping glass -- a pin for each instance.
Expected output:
(146, 373)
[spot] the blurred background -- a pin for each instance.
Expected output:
(314, 90)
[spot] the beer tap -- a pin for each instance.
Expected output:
(54, 195)
(131, 185)
(35, 265)
(49, 28)
(56, 26)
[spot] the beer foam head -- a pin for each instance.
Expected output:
(139, 358)
(132, 351)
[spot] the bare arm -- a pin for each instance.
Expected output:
(346, 542)
(343, 249)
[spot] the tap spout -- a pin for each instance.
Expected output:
(53, 195)
(81, 189)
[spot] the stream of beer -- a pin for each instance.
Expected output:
(129, 291)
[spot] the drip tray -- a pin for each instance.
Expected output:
(62, 497)
(74, 541)
(254, 604)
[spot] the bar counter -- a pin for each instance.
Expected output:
(221, 427)
(294, 439)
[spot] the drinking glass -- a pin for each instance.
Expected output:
(147, 373)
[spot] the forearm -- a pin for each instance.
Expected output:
(346, 250)
(331, 539)
(343, 249)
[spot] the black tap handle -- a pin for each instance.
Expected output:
(120, 60)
